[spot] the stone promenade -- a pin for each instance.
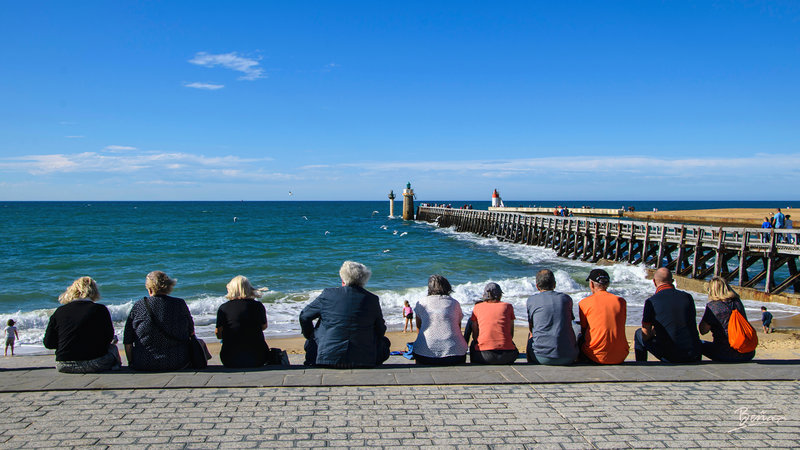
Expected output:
(519, 406)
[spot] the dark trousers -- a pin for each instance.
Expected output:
(443, 361)
(641, 347)
(537, 359)
(381, 354)
(722, 354)
(496, 357)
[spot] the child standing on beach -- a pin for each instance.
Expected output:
(408, 313)
(11, 336)
(766, 319)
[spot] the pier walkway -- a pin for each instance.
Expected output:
(648, 405)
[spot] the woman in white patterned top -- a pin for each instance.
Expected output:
(439, 316)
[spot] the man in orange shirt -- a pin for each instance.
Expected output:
(602, 317)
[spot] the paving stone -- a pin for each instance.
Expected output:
(549, 415)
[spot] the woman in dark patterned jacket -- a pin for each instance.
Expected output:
(147, 345)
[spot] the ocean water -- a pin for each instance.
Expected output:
(294, 249)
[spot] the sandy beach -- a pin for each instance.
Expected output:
(748, 217)
(781, 344)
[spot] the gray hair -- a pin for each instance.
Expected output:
(354, 274)
(545, 280)
(159, 283)
(438, 285)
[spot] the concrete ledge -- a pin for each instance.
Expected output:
(397, 372)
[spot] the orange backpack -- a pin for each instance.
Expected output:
(741, 335)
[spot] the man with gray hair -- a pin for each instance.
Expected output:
(350, 329)
(552, 340)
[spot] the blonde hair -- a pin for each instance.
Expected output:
(83, 287)
(240, 287)
(718, 289)
(354, 274)
(158, 282)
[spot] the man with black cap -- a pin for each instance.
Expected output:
(602, 317)
(669, 324)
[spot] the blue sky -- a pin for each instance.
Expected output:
(347, 100)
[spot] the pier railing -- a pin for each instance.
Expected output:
(766, 259)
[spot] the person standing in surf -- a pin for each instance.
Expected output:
(408, 315)
(12, 335)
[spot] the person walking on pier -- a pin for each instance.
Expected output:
(602, 316)
(669, 330)
(779, 218)
(766, 225)
(552, 340)
(790, 238)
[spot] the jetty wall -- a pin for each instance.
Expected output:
(763, 264)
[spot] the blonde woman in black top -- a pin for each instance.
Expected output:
(241, 322)
(81, 331)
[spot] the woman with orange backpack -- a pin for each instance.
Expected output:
(734, 339)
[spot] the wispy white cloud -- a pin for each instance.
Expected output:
(118, 148)
(761, 163)
(249, 67)
(315, 166)
(204, 86)
(120, 159)
(612, 176)
(75, 137)
(167, 182)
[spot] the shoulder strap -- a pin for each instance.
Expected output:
(158, 324)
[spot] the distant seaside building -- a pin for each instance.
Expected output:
(496, 200)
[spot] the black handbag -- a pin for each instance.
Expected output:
(197, 353)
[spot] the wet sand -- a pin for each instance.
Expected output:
(783, 344)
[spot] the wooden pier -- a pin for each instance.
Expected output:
(752, 258)
(592, 212)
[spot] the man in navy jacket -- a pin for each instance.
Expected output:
(669, 327)
(350, 329)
